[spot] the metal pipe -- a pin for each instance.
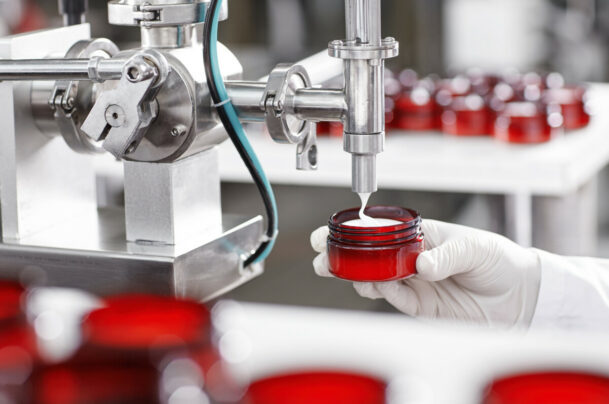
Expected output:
(310, 104)
(364, 93)
(363, 21)
(246, 96)
(317, 104)
(96, 69)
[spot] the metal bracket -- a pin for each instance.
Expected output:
(306, 152)
(71, 100)
(122, 114)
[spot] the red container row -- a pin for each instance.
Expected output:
(527, 108)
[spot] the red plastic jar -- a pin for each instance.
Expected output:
(572, 101)
(549, 388)
(417, 109)
(11, 304)
(97, 385)
(375, 254)
(467, 116)
(323, 387)
(523, 122)
(147, 322)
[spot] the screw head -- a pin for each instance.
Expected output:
(115, 116)
(178, 130)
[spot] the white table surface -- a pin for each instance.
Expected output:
(436, 162)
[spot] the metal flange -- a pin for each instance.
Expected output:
(389, 48)
(160, 13)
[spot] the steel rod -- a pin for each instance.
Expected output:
(61, 69)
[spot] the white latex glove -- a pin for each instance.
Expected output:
(465, 274)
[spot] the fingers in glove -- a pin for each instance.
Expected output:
(367, 290)
(319, 239)
(437, 233)
(453, 257)
(400, 296)
(322, 265)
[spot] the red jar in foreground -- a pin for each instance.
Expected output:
(549, 388)
(375, 254)
(97, 385)
(523, 122)
(322, 387)
(11, 304)
(572, 101)
(140, 322)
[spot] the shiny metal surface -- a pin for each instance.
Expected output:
(71, 101)
(172, 37)
(246, 96)
(363, 52)
(92, 254)
(306, 152)
(284, 81)
(311, 104)
(152, 13)
(318, 104)
(60, 69)
(174, 203)
(124, 110)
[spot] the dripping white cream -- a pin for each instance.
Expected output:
(367, 221)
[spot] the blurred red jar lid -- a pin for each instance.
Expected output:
(96, 385)
(523, 122)
(317, 387)
(417, 110)
(572, 101)
(549, 388)
(11, 302)
(142, 322)
(467, 116)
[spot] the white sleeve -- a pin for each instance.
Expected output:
(573, 294)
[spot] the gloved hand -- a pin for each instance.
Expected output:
(465, 274)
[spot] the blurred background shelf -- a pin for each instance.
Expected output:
(563, 170)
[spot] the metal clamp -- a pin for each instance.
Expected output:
(71, 100)
(284, 80)
(389, 48)
(122, 113)
(148, 14)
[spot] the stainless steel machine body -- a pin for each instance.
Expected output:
(67, 97)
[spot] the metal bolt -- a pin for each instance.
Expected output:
(336, 42)
(133, 73)
(131, 148)
(115, 116)
(389, 40)
(178, 130)
(70, 102)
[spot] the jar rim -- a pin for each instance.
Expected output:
(409, 219)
